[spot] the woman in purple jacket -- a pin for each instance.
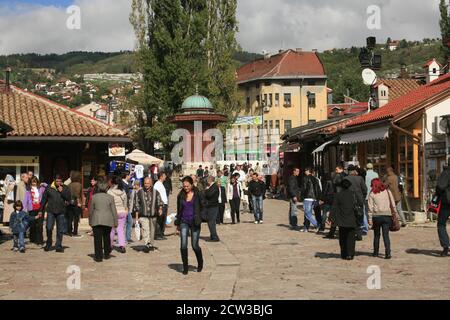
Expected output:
(32, 203)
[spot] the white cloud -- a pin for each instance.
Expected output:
(263, 24)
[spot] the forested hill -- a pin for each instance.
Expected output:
(342, 65)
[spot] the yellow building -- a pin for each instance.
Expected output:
(287, 90)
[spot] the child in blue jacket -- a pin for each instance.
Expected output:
(19, 223)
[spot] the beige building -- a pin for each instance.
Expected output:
(287, 90)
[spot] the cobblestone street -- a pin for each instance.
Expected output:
(261, 262)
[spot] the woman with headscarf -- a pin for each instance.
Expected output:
(9, 184)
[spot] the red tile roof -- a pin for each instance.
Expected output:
(347, 108)
(406, 102)
(431, 62)
(398, 87)
(34, 116)
(289, 63)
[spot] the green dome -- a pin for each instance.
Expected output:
(197, 102)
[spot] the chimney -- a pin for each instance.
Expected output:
(7, 79)
(280, 51)
(299, 49)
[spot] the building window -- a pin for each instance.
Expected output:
(408, 160)
(265, 124)
(287, 99)
(265, 100)
(270, 100)
(277, 124)
(287, 125)
(270, 124)
(434, 70)
(376, 153)
(312, 100)
(277, 99)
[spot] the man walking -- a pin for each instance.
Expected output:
(257, 190)
(149, 206)
(126, 177)
(22, 187)
(161, 221)
(211, 207)
(339, 176)
(443, 190)
(391, 182)
(200, 172)
(54, 201)
(293, 191)
(222, 202)
(311, 194)
(360, 189)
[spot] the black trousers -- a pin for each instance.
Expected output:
(235, 204)
(318, 214)
(102, 241)
(73, 214)
(221, 212)
(161, 223)
(36, 228)
(382, 224)
(347, 242)
(442, 227)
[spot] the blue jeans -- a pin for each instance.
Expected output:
(195, 236)
(365, 226)
(258, 207)
(60, 228)
(308, 206)
(129, 227)
(19, 240)
(292, 213)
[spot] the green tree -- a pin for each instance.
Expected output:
(183, 44)
(445, 30)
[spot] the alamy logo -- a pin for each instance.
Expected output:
(74, 280)
(73, 22)
(374, 281)
(374, 19)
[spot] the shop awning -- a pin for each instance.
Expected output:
(365, 136)
(323, 146)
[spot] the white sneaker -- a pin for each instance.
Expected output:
(256, 222)
(261, 221)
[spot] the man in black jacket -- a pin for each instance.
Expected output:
(222, 201)
(338, 178)
(443, 190)
(293, 191)
(211, 207)
(257, 191)
(360, 188)
(54, 202)
(310, 194)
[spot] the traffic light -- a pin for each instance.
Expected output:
(365, 58)
(376, 62)
(371, 43)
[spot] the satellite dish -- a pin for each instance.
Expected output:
(444, 125)
(369, 77)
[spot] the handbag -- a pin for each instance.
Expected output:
(395, 225)
(357, 208)
(435, 205)
(227, 214)
(137, 230)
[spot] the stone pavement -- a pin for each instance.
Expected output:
(260, 262)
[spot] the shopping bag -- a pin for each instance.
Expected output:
(137, 230)
(227, 214)
(170, 218)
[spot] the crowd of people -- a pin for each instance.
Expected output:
(351, 200)
(355, 200)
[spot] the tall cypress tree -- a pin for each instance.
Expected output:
(183, 44)
(445, 30)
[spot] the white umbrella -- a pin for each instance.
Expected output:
(142, 158)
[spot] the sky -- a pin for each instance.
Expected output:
(40, 26)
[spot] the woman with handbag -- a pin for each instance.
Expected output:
(381, 209)
(189, 219)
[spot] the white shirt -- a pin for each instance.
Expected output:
(162, 191)
(241, 175)
(220, 195)
(35, 194)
